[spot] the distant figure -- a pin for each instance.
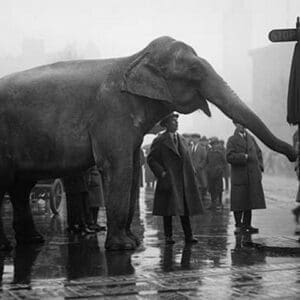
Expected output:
(216, 163)
(176, 192)
(95, 197)
(247, 193)
(226, 172)
(199, 159)
(270, 162)
(149, 176)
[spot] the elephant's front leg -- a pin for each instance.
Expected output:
(118, 177)
(134, 194)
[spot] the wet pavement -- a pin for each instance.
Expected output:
(220, 266)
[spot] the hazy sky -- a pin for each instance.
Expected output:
(120, 28)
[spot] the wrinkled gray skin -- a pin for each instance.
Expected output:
(61, 118)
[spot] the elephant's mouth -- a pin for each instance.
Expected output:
(203, 104)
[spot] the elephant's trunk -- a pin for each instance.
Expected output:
(220, 94)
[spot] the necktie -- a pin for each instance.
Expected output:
(175, 141)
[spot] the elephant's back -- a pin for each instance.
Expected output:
(60, 73)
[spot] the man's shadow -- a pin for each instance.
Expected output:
(245, 252)
(168, 261)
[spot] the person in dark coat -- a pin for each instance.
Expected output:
(149, 176)
(216, 163)
(245, 157)
(296, 210)
(77, 203)
(95, 197)
(199, 159)
(226, 173)
(176, 192)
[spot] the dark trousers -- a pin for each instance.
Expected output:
(185, 223)
(77, 209)
(242, 218)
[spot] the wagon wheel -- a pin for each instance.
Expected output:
(56, 196)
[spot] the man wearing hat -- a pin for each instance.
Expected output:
(176, 191)
(245, 157)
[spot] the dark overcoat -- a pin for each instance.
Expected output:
(246, 187)
(296, 146)
(176, 193)
(76, 183)
(216, 163)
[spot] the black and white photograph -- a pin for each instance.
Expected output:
(149, 149)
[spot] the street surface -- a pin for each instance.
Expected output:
(220, 266)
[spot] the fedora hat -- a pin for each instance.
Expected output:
(167, 118)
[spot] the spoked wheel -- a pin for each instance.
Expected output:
(56, 196)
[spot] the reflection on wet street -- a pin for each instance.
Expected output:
(221, 265)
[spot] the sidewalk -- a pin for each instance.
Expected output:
(220, 266)
(276, 223)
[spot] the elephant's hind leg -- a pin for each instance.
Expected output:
(23, 224)
(118, 179)
(5, 245)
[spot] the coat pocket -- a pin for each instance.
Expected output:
(165, 183)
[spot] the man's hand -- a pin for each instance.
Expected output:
(163, 174)
(246, 155)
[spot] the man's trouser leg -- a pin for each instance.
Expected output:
(167, 220)
(247, 217)
(238, 218)
(186, 226)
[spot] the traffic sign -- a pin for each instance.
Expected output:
(283, 35)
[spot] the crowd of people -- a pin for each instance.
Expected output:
(191, 169)
(189, 173)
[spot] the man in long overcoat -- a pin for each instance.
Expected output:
(176, 191)
(245, 157)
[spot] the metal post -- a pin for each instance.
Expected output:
(298, 39)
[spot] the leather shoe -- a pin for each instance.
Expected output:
(35, 238)
(250, 229)
(191, 240)
(86, 230)
(169, 240)
(96, 227)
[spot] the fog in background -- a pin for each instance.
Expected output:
(231, 34)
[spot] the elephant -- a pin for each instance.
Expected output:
(65, 117)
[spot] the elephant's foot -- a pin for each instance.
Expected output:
(120, 241)
(133, 237)
(33, 238)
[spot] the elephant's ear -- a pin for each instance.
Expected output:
(144, 79)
